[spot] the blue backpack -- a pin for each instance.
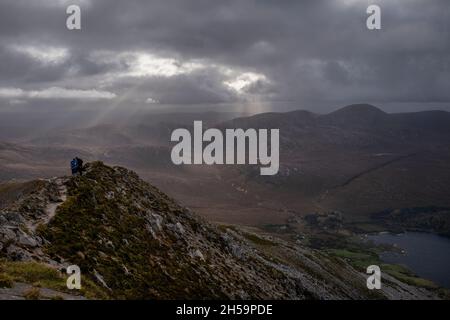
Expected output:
(74, 164)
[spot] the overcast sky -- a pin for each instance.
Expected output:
(196, 52)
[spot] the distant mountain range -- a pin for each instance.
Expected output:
(358, 160)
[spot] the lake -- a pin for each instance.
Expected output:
(426, 254)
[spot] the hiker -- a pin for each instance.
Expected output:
(74, 166)
(79, 166)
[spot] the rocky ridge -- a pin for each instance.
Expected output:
(132, 241)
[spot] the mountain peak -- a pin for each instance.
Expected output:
(356, 115)
(361, 109)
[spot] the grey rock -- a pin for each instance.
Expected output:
(18, 254)
(7, 234)
(100, 279)
(27, 240)
(197, 254)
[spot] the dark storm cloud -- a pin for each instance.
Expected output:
(267, 50)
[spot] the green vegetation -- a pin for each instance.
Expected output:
(34, 273)
(258, 240)
(6, 281)
(403, 274)
(43, 276)
(361, 259)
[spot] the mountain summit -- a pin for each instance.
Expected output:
(355, 114)
(131, 241)
(361, 108)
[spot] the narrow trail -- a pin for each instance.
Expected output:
(50, 209)
(324, 194)
(382, 165)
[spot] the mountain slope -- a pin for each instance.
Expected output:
(131, 241)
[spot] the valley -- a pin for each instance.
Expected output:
(357, 160)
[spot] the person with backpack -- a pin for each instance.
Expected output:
(76, 166)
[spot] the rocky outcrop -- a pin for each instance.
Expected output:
(20, 220)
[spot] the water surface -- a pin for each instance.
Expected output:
(426, 254)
